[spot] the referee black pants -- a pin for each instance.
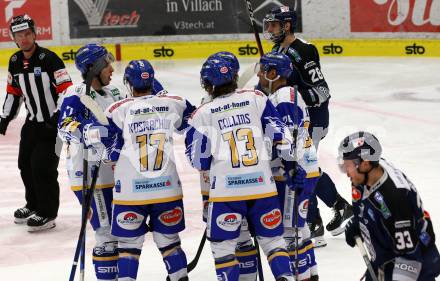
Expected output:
(38, 163)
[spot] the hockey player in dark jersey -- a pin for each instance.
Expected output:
(388, 214)
(279, 27)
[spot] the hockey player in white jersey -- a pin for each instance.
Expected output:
(246, 252)
(227, 136)
(148, 192)
(94, 62)
(273, 72)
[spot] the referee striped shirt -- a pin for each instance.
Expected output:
(37, 81)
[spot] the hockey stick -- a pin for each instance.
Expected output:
(295, 192)
(87, 198)
(195, 260)
(254, 27)
(248, 75)
(88, 82)
(87, 204)
(249, 72)
(364, 254)
(84, 212)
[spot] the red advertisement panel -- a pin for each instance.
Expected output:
(39, 11)
(395, 15)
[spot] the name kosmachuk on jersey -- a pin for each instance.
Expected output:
(149, 125)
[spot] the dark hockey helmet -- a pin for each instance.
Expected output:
(216, 72)
(229, 57)
(281, 14)
(360, 146)
(139, 75)
(278, 61)
(21, 22)
(92, 59)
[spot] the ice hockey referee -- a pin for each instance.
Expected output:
(36, 76)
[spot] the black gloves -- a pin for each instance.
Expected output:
(351, 231)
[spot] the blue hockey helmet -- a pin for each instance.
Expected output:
(281, 14)
(360, 146)
(278, 61)
(139, 74)
(229, 57)
(216, 72)
(92, 59)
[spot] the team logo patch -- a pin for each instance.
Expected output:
(172, 217)
(14, 58)
(41, 56)
(129, 220)
(152, 184)
(355, 194)
(383, 206)
(145, 75)
(271, 219)
(229, 221)
(224, 70)
(244, 180)
(37, 71)
(303, 207)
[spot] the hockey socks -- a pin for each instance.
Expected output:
(279, 263)
(227, 268)
(247, 259)
(306, 260)
(175, 261)
(128, 264)
(105, 260)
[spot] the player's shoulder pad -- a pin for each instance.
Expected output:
(293, 53)
(113, 91)
(118, 104)
(251, 91)
(167, 96)
(46, 54)
(285, 94)
(14, 58)
(75, 90)
(199, 109)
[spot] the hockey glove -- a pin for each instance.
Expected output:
(94, 135)
(296, 177)
(3, 126)
(351, 231)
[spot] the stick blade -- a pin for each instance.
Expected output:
(93, 106)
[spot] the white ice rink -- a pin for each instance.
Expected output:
(397, 99)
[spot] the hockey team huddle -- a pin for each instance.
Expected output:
(256, 151)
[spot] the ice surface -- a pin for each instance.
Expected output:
(398, 99)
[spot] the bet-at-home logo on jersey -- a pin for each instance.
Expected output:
(229, 106)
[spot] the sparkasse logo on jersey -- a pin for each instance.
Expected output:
(395, 16)
(39, 11)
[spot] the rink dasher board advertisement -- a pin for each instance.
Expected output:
(243, 49)
(121, 18)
